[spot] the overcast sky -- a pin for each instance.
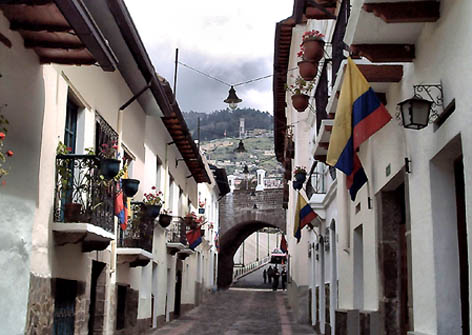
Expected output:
(229, 39)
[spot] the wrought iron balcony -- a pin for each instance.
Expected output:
(81, 195)
(177, 232)
(139, 231)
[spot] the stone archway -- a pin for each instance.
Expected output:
(242, 213)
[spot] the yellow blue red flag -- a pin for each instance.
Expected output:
(358, 116)
(303, 216)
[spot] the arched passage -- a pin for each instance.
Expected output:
(229, 244)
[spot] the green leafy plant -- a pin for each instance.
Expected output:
(300, 86)
(63, 166)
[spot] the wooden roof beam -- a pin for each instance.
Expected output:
(31, 43)
(31, 26)
(384, 53)
(317, 14)
(381, 73)
(405, 11)
(67, 60)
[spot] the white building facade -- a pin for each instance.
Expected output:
(402, 248)
(79, 272)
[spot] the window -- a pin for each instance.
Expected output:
(70, 131)
(104, 133)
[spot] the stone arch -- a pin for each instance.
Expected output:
(229, 244)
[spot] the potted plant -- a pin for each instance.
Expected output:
(300, 174)
(300, 91)
(153, 203)
(312, 46)
(165, 218)
(3, 154)
(109, 164)
(72, 210)
(307, 68)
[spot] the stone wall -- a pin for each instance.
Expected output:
(238, 207)
(300, 302)
(82, 305)
(40, 306)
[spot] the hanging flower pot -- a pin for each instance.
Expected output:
(165, 220)
(301, 177)
(297, 185)
(308, 69)
(313, 49)
(152, 211)
(109, 167)
(72, 212)
(300, 102)
(130, 187)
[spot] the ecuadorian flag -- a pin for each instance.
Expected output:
(358, 116)
(303, 216)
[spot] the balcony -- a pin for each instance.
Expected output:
(176, 236)
(135, 243)
(84, 204)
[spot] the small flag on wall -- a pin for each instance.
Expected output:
(303, 216)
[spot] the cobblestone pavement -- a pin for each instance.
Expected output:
(238, 312)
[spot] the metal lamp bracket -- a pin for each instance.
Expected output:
(434, 93)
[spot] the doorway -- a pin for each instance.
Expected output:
(64, 307)
(97, 298)
(394, 254)
(178, 288)
(462, 243)
(358, 268)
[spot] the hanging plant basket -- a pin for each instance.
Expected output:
(152, 211)
(165, 220)
(300, 102)
(314, 49)
(130, 187)
(297, 185)
(72, 212)
(301, 177)
(308, 69)
(109, 167)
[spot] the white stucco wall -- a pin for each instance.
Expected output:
(22, 91)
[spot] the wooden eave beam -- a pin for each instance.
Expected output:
(385, 53)
(381, 73)
(31, 43)
(324, 145)
(30, 26)
(67, 60)
(317, 14)
(25, 2)
(405, 11)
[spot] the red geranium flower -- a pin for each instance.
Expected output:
(2, 135)
(9, 153)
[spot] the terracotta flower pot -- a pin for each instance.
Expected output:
(109, 167)
(314, 49)
(308, 69)
(72, 212)
(300, 102)
(165, 220)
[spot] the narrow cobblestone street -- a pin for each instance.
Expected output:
(238, 311)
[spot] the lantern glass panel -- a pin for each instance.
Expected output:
(406, 110)
(421, 110)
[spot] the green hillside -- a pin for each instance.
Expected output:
(214, 125)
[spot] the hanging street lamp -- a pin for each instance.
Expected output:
(232, 100)
(240, 148)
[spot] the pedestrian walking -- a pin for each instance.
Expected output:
(269, 274)
(264, 275)
(284, 278)
(275, 277)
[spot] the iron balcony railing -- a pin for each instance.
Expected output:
(81, 195)
(139, 230)
(176, 232)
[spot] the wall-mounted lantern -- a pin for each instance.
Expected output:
(423, 107)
